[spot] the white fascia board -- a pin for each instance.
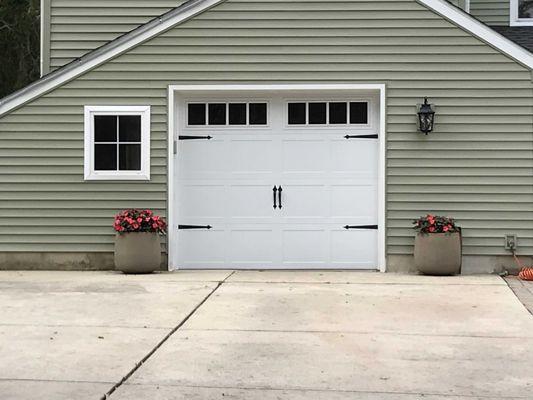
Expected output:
(105, 53)
(480, 30)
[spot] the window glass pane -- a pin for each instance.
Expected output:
(258, 113)
(358, 113)
(129, 127)
(217, 114)
(105, 128)
(129, 157)
(525, 9)
(196, 114)
(337, 113)
(317, 113)
(105, 157)
(237, 114)
(296, 113)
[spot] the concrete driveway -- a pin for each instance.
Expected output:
(262, 335)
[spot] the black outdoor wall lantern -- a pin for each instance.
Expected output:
(426, 117)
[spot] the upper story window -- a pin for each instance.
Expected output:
(521, 13)
(117, 143)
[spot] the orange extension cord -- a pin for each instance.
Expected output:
(526, 273)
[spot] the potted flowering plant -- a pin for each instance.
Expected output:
(437, 245)
(137, 243)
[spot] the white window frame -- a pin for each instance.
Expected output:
(89, 172)
(514, 20)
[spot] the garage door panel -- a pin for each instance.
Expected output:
(250, 201)
(202, 201)
(304, 246)
(304, 156)
(252, 156)
(200, 157)
(354, 203)
(304, 201)
(357, 157)
(354, 248)
(202, 248)
(252, 247)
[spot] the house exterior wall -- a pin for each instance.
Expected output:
(491, 12)
(458, 3)
(77, 27)
(476, 165)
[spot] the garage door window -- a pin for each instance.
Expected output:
(117, 143)
(227, 114)
(328, 113)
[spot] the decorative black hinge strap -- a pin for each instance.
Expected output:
(194, 226)
(361, 137)
(185, 137)
(360, 227)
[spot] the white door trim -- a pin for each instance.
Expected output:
(173, 144)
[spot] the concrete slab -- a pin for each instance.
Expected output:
(161, 392)
(117, 303)
(460, 366)
(72, 335)
(73, 354)
(19, 390)
(479, 310)
(360, 277)
(114, 276)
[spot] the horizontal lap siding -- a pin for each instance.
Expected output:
(76, 27)
(476, 166)
(491, 12)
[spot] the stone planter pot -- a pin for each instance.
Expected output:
(137, 252)
(438, 253)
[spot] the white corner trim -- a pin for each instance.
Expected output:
(514, 20)
(467, 6)
(99, 56)
(480, 30)
(172, 136)
(41, 38)
(88, 160)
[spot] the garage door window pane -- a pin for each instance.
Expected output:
(105, 128)
(105, 157)
(338, 113)
(237, 114)
(317, 113)
(258, 113)
(196, 114)
(129, 128)
(297, 114)
(129, 157)
(217, 114)
(358, 113)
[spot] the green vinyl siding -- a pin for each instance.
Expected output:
(458, 3)
(76, 27)
(491, 12)
(477, 165)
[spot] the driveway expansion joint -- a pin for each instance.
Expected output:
(162, 341)
(329, 390)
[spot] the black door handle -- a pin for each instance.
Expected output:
(280, 189)
(274, 190)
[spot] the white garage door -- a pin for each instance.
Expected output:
(277, 182)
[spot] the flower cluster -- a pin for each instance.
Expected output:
(139, 221)
(435, 224)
